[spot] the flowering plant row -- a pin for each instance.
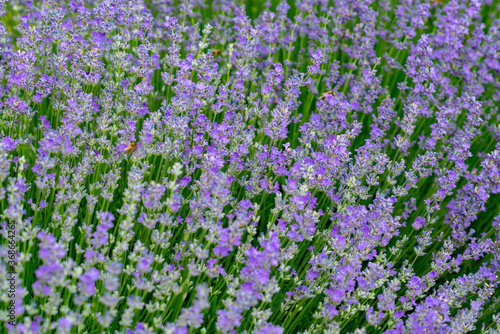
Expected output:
(309, 166)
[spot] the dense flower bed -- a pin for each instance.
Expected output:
(270, 168)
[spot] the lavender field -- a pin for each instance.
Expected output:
(279, 167)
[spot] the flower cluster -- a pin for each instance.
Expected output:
(278, 167)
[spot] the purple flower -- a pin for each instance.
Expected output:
(88, 280)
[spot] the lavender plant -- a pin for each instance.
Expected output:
(309, 166)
